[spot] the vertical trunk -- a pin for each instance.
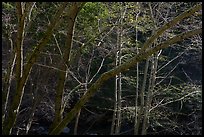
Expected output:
(85, 90)
(114, 126)
(115, 111)
(116, 100)
(7, 80)
(72, 13)
(36, 101)
(148, 102)
(153, 78)
(116, 122)
(142, 98)
(137, 84)
(150, 94)
(19, 67)
(136, 101)
(119, 91)
(21, 78)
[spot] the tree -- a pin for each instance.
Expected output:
(116, 122)
(71, 16)
(144, 53)
(22, 74)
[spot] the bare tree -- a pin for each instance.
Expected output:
(144, 53)
(74, 8)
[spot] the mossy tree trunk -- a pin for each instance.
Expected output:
(22, 11)
(6, 84)
(22, 74)
(72, 12)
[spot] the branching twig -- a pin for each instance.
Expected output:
(173, 100)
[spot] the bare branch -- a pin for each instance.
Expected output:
(170, 24)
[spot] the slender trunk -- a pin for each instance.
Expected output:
(21, 78)
(36, 100)
(72, 13)
(85, 90)
(137, 82)
(115, 113)
(150, 94)
(119, 88)
(117, 107)
(119, 91)
(7, 83)
(148, 103)
(153, 78)
(19, 66)
(136, 101)
(113, 125)
(79, 113)
(77, 122)
(142, 98)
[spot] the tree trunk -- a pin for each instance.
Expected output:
(153, 79)
(7, 82)
(72, 13)
(21, 15)
(116, 121)
(137, 81)
(22, 77)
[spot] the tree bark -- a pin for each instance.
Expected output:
(72, 13)
(23, 76)
(21, 15)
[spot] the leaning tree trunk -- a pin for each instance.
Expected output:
(22, 75)
(21, 15)
(7, 81)
(73, 10)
